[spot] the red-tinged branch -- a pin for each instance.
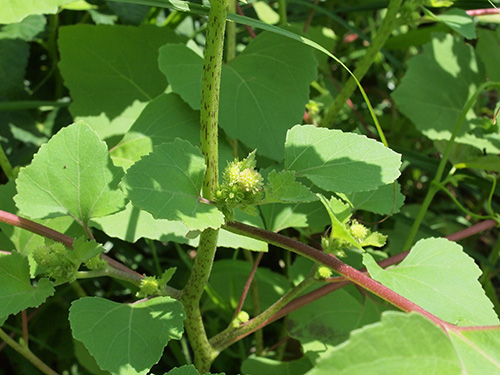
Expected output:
(481, 12)
(339, 282)
(335, 264)
(248, 283)
(42, 230)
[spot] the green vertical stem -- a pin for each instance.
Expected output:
(231, 33)
(152, 247)
(282, 12)
(385, 30)
(204, 354)
(212, 67)
(5, 165)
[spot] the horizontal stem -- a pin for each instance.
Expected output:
(481, 12)
(336, 265)
(341, 281)
(31, 104)
(42, 230)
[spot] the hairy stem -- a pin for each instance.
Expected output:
(204, 354)
(385, 30)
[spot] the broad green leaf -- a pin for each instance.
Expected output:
(85, 250)
(16, 291)
(256, 106)
(167, 184)
(26, 30)
(112, 72)
(133, 223)
(5, 243)
(183, 68)
(481, 140)
(187, 370)
(25, 241)
(235, 241)
(265, 12)
(79, 5)
(441, 278)
(385, 200)
(340, 209)
(186, 6)
(163, 119)
(488, 162)
(278, 216)
(126, 339)
(339, 230)
(374, 239)
(16, 10)
(460, 21)
(86, 360)
(340, 162)
(15, 53)
(400, 344)
(479, 350)
(71, 175)
(487, 49)
(282, 187)
(131, 14)
(322, 35)
(445, 62)
(254, 365)
(327, 321)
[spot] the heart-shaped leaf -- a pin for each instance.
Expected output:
(167, 184)
(16, 291)
(340, 162)
(72, 175)
(126, 339)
